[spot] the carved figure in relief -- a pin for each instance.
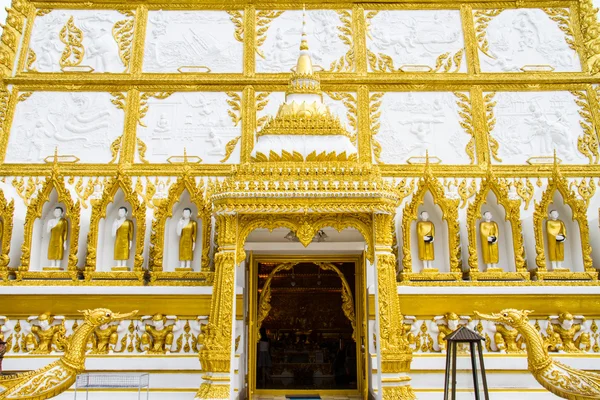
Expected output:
(408, 329)
(489, 234)
(551, 135)
(58, 228)
(37, 138)
(158, 333)
(122, 232)
(446, 324)
(5, 327)
(161, 135)
(452, 192)
(425, 237)
(105, 337)
(566, 326)
(98, 191)
(161, 191)
(508, 339)
(50, 49)
(216, 142)
(102, 48)
(556, 233)
(87, 119)
(47, 334)
(512, 192)
(187, 230)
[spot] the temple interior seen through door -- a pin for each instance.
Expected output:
(306, 338)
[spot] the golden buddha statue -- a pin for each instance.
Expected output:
(47, 334)
(122, 232)
(488, 234)
(426, 236)
(158, 336)
(556, 234)
(187, 230)
(58, 228)
(566, 328)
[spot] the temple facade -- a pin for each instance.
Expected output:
(298, 200)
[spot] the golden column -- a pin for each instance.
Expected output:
(216, 337)
(395, 353)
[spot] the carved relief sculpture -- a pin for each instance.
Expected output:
(47, 334)
(566, 327)
(426, 236)
(446, 324)
(122, 232)
(508, 339)
(489, 233)
(187, 230)
(557, 235)
(158, 333)
(58, 228)
(105, 337)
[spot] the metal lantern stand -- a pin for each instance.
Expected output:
(464, 335)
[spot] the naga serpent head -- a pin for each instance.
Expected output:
(508, 316)
(101, 316)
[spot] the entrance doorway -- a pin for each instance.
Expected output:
(306, 325)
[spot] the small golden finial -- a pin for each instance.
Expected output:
(185, 160)
(55, 155)
(304, 41)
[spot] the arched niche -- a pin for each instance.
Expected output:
(443, 212)
(573, 212)
(493, 197)
(7, 211)
(100, 251)
(164, 252)
(34, 250)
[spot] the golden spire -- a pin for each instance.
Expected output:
(304, 65)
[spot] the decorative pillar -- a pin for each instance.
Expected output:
(216, 337)
(395, 354)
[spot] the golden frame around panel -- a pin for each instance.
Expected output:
(513, 215)
(579, 209)
(360, 312)
(7, 211)
(157, 237)
(34, 211)
(428, 183)
(138, 212)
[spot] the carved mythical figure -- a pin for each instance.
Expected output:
(560, 379)
(122, 231)
(187, 230)
(58, 228)
(47, 334)
(508, 339)
(566, 328)
(407, 327)
(158, 335)
(447, 324)
(59, 375)
(488, 234)
(557, 234)
(426, 236)
(104, 338)
(4, 327)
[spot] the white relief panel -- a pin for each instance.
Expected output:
(100, 49)
(280, 49)
(526, 37)
(83, 124)
(534, 124)
(413, 123)
(416, 37)
(196, 121)
(177, 39)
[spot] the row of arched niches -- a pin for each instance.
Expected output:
(140, 230)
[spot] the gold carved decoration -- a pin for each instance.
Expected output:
(587, 144)
(562, 17)
(346, 62)
(138, 213)
(122, 32)
(449, 207)
(264, 18)
(235, 113)
(466, 191)
(164, 211)
(482, 20)
(591, 40)
(490, 123)
(350, 102)
(512, 214)
(304, 226)
(585, 188)
(375, 101)
(262, 99)
(7, 210)
(525, 191)
(31, 58)
(466, 122)
(238, 22)
(12, 32)
(26, 187)
(144, 106)
(264, 301)
(55, 182)
(579, 209)
(72, 37)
